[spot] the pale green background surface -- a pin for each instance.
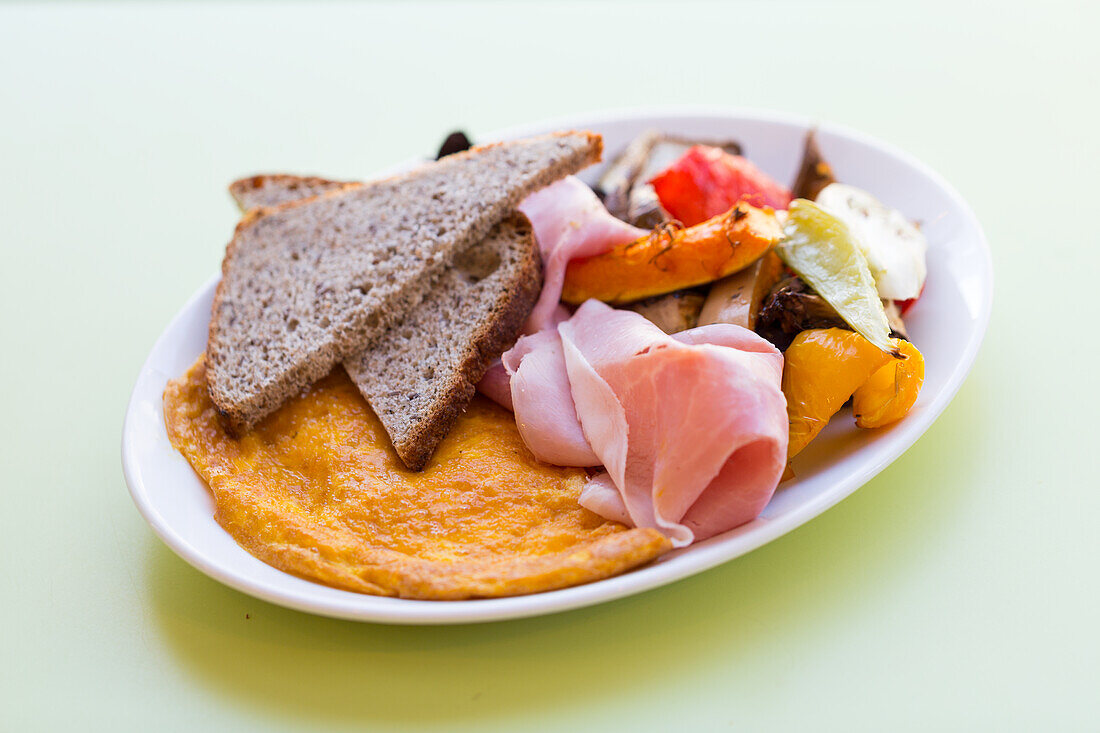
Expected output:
(957, 591)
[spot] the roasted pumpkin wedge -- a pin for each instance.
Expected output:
(672, 257)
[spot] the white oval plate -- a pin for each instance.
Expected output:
(947, 324)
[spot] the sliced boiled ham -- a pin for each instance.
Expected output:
(542, 400)
(496, 384)
(569, 222)
(691, 429)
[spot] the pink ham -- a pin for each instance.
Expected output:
(601, 496)
(691, 429)
(541, 399)
(569, 222)
(496, 384)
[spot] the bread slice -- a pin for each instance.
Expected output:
(275, 189)
(310, 283)
(421, 373)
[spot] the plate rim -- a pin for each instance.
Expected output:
(360, 607)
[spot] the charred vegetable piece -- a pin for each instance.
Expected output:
(893, 317)
(672, 258)
(814, 173)
(617, 181)
(456, 142)
(644, 208)
(674, 312)
(890, 393)
(707, 181)
(792, 307)
(670, 148)
(820, 248)
(895, 249)
(824, 367)
(737, 299)
(624, 186)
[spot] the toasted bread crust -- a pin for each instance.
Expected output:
(495, 334)
(273, 189)
(244, 394)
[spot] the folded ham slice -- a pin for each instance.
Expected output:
(543, 402)
(569, 222)
(691, 429)
(496, 384)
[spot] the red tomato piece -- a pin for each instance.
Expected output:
(708, 181)
(905, 305)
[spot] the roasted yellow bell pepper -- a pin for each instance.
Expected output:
(824, 367)
(891, 391)
(672, 258)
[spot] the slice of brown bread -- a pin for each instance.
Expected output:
(421, 373)
(279, 188)
(310, 283)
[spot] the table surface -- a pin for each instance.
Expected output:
(957, 591)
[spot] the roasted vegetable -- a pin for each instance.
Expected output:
(792, 307)
(894, 248)
(456, 142)
(824, 367)
(707, 181)
(821, 249)
(644, 208)
(672, 313)
(624, 187)
(905, 305)
(894, 318)
(814, 173)
(672, 258)
(737, 299)
(617, 181)
(890, 393)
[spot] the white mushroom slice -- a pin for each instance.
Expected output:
(894, 248)
(671, 313)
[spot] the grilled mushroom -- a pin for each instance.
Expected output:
(673, 312)
(737, 299)
(792, 307)
(615, 184)
(624, 186)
